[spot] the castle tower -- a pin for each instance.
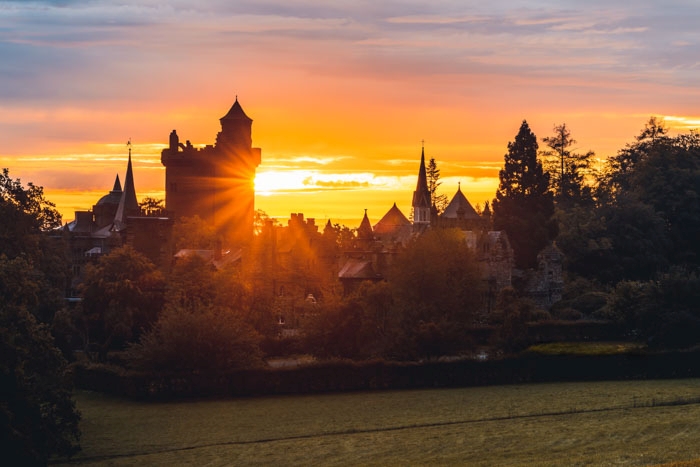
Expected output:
(421, 198)
(215, 182)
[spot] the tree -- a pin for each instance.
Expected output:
(194, 233)
(567, 169)
(439, 201)
(27, 220)
(663, 174)
(152, 207)
(38, 417)
(122, 295)
(524, 204)
(618, 174)
(197, 339)
(436, 279)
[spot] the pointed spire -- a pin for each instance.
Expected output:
(328, 226)
(421, 197)
(128, 203)
(236, 113)
(364, 232)
(117, 185)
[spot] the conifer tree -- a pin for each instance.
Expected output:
(432, 172)
(524, 204)
(567, 168)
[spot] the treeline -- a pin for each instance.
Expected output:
(628, 227)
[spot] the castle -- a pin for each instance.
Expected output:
(215, 182)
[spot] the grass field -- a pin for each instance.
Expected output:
(606, 423)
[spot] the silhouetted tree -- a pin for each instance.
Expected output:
(26, 223)
(567, 169)
(152, 207)
(436, 280)
(432, 172)
(37, 416)
(122, 295)
(196, 339)
(524, 205)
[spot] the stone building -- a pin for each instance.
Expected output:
(215, 182)
(113, 221)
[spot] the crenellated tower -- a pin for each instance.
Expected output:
(215, 182)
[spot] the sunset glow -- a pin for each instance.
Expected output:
(341, 94)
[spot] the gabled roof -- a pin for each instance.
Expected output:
(236, 113)
(392, 222)
(421, 197)
(459, 207)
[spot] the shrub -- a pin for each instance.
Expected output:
(199, 339)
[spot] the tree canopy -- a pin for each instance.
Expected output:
(524, 204)
(38, 418)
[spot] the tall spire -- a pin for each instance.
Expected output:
(128, 205)
(421, 197)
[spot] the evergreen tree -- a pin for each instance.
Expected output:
(524, 205)
(567, 169)
(432, 173)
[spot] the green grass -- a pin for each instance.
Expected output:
(621, 423)
(586, 348)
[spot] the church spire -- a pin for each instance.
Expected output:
(421, 197)
(128, 205)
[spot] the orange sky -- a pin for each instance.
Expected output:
(341, 95)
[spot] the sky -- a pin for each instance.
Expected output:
(342, 94)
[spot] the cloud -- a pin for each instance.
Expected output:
(335, 184)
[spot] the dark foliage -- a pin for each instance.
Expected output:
(38, 418)
(524, 204)
(122, 296)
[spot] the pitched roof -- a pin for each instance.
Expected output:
(358, 269)
(421, 197)
(236, 113)
(392, 222)
(459, 207)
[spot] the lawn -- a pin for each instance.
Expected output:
(620, 423)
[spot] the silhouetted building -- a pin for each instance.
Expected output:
(374, 249)
(421, 204)
(215, 182)
(459, 213)
(115, 220)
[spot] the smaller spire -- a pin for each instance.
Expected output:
(117, 185)
(364, 232)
